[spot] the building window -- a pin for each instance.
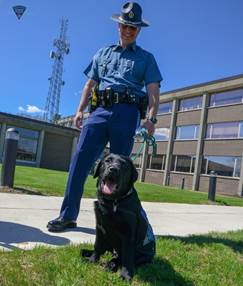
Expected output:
(27, 145)
(162, 134)
(190, 103)
(188, 132)
(222, 165)
(156, 162)
(138, 161)
(165, 108)
(183, 163)
(227, 97)
(241, 129)
(225, 130)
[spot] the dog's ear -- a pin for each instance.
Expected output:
(97, 169)
(134, 172)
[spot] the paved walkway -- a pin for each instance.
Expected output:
(23, 220)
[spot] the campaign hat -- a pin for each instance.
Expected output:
(131, 14)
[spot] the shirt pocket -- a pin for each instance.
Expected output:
(107, 67)
(133, 70)
(138, 71)
(126, 67)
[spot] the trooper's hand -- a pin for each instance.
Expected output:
(78, 119)
(149, 126)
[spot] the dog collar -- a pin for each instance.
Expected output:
(126, 195)
(116, 202)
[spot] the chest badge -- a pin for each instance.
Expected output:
(131, 15)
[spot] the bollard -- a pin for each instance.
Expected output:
(9, 157)
(168, 180)
(183, 183)
(212, 186)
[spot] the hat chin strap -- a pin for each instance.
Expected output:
(134, 24)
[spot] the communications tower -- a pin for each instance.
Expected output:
(51, 112)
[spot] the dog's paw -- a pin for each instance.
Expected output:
(112, 265)
(93, 258)
(86, 253)
(125, 275)
(89, 255)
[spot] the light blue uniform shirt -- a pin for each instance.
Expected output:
(119, 68)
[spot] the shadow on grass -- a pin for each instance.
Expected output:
(28, 192)
(11, 233)
(222, 202)
(236, 246)
(161, 272)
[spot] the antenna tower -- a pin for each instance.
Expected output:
(51, 113)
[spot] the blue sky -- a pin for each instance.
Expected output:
(193, 41)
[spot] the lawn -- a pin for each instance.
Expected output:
(200, 260)
(205, 260)
(52, 183)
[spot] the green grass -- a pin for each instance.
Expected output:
(215, 259)
(52, 183)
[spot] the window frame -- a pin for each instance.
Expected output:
(149, 164)
(226, 104)
(210, 132)
(161, 140)
(236, 158)
(180, 109)
(191, 167)
(195, 132)
(24, 137)
(169, 112)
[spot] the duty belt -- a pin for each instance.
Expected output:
(108, 97)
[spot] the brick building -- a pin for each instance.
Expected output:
(41, 144)
(199, 130)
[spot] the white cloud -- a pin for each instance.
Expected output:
(30, 109)
(20, 108)
(33, 109)
(162, 133)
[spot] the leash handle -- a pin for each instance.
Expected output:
(142, 135)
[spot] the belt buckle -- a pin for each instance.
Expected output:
(103, 99)
(115, 97)
(132, 98)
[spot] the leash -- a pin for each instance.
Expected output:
(143, 137)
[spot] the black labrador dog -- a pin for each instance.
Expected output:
(121, 224)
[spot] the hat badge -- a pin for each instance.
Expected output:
(131, 14)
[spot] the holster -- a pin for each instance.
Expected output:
(93, 100)
(143, 105)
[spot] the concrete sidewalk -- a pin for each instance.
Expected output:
(23, 220)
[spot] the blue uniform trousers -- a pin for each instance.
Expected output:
(116, 125)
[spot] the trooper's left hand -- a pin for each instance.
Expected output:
(149, 126)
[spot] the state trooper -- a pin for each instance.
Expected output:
(117, 76)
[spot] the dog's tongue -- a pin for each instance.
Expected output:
(108, 188)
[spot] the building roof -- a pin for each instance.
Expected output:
(207, 87)
(36, 122)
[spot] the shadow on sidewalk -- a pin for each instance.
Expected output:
(19, 233)
(84, 230)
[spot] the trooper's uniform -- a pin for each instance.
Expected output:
(121, 75)
(116, 106)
